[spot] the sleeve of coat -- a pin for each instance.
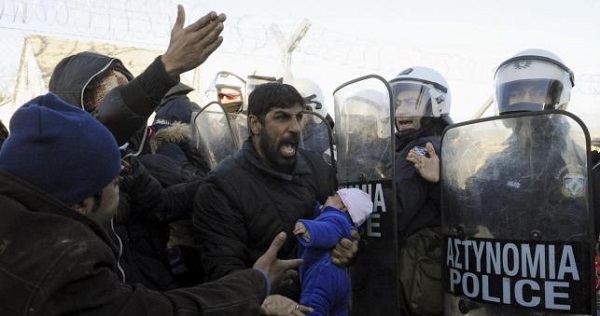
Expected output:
(92, 287)
(221, 230)
(127, 108)
(149, 197)
(326, 230)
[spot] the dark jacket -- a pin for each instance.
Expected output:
(418, 200)
(174, 159)
(126, 108)
(173, 162)
(142, 225)
(55, 261)
(243, 204)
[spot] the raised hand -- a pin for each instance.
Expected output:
(427, 167)
(190, 46)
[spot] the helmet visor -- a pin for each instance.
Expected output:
(528, 95)
(411, 99)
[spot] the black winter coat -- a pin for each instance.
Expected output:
(418, 200)
(55, 261)
(243, 204)
(142, 225)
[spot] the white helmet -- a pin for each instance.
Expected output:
(311, 92)
(264, 74)
(538, 73)
(230, 84)
(434, 96)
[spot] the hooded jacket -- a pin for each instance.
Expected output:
(55, 261)
(126, 108)
(142, 221)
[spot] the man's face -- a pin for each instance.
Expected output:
(112, 80)
(409, 110)
(230, 98)
(529, 92)
(106, 207)
(279, 137)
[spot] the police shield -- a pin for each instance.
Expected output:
(239, 127)
(212, 133)
(365, 152)
(317, 135)
(517, 217)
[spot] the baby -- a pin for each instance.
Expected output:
(326, 287)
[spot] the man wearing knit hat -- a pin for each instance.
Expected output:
(325, 286)
(59, 172)
(103, 86)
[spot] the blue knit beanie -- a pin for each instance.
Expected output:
(60, 149)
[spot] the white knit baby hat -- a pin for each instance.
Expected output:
(358, 203)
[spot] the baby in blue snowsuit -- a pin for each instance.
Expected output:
(326, 287)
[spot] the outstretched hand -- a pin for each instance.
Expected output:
(190, 46)
(427, 167)
(269, 264)
(280, 305)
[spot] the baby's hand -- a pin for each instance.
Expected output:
(299, 228)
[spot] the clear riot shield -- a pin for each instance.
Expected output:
(239, 126)
(317, 135)
(365, 153)
(517, 216)
(212, 133)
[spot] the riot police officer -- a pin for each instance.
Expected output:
(532, 80)
(525, 193)
(422, 102)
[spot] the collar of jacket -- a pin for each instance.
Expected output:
(36, 200)
(300, 167)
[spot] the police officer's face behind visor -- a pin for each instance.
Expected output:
(410, 105)
(529, 93)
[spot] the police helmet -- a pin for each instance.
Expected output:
(532, 80)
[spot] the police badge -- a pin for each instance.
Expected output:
(573, 185)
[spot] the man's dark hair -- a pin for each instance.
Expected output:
(273, 95)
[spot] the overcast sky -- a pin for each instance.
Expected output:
(463, 39)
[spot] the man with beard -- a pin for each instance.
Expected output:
(103, 86)
(56, 258)
(263, 189)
